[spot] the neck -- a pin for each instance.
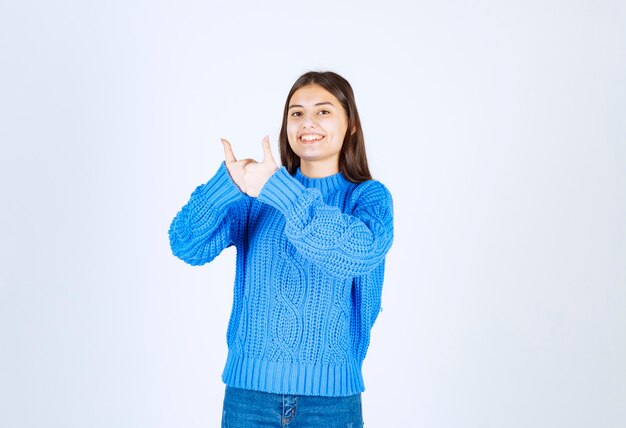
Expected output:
(318, 169)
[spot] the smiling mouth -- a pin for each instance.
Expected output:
(311, 138)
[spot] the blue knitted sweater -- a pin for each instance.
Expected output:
(309, 275)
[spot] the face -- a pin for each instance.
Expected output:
(316, 125)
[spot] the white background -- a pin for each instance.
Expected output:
(498, 126)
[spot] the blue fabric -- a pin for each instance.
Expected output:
(309, 275)
(253, 409)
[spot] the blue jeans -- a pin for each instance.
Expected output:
(253, 409)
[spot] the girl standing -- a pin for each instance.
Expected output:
(311, 239)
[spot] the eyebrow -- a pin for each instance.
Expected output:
(316, 105)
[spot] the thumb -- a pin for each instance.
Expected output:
(267, 150)
(229, 156)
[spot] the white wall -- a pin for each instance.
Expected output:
(500, 128)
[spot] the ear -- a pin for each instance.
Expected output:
(353, 131)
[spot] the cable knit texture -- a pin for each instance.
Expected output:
(309, 275)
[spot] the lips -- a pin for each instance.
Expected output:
(311, 138)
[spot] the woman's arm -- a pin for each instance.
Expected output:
(344, 245)
(212, 220)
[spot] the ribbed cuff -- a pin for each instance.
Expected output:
(281, 191)
(221, 188)
(293, 378)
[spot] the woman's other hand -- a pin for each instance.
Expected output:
(249, 175)
(257, 173)
(236, 169)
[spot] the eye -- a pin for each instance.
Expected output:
(296, 114)
(323, 112)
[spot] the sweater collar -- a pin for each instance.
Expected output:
(324, 184)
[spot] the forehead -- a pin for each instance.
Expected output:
(313, 94)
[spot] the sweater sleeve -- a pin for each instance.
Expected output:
(212, 220)
(344, 245)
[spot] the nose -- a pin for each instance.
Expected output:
(308, 121)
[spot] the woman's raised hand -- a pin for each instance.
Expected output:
(236, 169)
(257, 173)
(250, 176)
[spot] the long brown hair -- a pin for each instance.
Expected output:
(352, 157)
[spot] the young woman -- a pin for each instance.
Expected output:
(311, 239)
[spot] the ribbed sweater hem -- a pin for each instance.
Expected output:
(293, 378)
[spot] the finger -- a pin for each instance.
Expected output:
(245, 162)
(229, 156)
(267, 150)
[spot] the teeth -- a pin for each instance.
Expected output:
(311, 137)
